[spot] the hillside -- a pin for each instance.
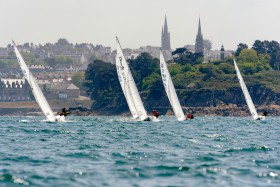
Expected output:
(210, 84)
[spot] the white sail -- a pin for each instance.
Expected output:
(122, 79)
(170, 90)
(248, 98)
(41, 100)
(128, 85)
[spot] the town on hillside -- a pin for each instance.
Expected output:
(59, 67)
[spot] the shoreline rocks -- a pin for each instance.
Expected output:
(222, 110)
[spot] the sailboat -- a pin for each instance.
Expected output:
(170, 90)
(129, 88)
(246, 94)
(39, 96)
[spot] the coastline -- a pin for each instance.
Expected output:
(32, 108)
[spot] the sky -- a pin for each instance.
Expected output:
(139, 22)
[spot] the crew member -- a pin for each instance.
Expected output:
(264, 113)
(64, 112)
(155, 113)
(189, 116)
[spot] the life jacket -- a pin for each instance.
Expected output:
(155, 113)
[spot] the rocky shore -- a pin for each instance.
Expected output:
(31, 109)
(232, 110)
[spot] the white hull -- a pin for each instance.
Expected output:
(261, 118)
(150, 118)
(60, 118)
(155, 119)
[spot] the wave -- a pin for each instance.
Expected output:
(250, 149)
(9, 178)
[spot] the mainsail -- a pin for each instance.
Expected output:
(128, 85)
(248, 98)
(40, 98)
(170, 90)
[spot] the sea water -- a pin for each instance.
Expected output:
(118, 151)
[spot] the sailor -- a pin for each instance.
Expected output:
(64, 112)
(264, 113)
(189, 116)
(155, 113)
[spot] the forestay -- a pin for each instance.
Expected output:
(128, 85)
(40, 98)
(248, 98)
(170, 90)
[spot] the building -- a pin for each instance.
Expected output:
(216, 55)
(190, 48)
(63, 91)
(222, 52)
(13, 89)
(199, 42)
(165, 41)
(165, 37)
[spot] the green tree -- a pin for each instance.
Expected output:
(143, 66)
(62, 42)
(52, 62)
(260, 47)
(183, 56)
(240, 47)
(103, 86)
(175, 69)
(274, 52)
(248, 55)
(30, 58)
(78, 79)
(210, 70)
(271, 48)
(251, 62)
(248, 68)
(207, 44)
(226, 68)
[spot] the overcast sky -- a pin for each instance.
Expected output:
(139, 22)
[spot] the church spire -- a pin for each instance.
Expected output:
(165, 37)
(199, 27)
(165, 25)
(199, 42)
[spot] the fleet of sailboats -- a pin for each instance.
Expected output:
(170, 90)
(246, 94)
(130, 90)
(39, 96)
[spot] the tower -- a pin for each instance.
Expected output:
(222, 51)
(165, 37)
(199, 46)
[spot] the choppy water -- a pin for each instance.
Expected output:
(116, 151)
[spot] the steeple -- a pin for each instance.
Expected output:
(222, 52)
(199, 28)
(165, 25)
(199, 45)
(165, 37)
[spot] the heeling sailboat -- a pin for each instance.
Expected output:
(129, 88)
(247, 96)
(39, 97)
(170, 90)
(122, 79)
